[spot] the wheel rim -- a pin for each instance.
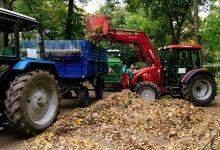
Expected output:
(147, 94)
(41, 102)
(202, 89)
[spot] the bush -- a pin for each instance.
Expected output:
(215, 69)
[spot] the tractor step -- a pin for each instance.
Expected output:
(174, 91)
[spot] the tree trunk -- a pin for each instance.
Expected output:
(69, 24)
(7, 4)
(196, 21)
(1, 4)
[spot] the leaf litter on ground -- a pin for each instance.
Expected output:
(122, 121)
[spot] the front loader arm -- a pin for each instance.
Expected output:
(141, 42)
(139, 39)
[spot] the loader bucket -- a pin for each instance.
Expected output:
(95, 22)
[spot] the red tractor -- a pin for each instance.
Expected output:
(178, 72)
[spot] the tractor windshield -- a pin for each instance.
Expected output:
(30, 42)
(186, 58)
(14, 30)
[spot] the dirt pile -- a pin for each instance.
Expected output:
(124, 122)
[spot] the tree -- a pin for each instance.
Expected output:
(196, 21)
(69, 22)
(74, 20)
(176, 12)
(123, 19)
(211, 30)
(52, 14)
(7, 4)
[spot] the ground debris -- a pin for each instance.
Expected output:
(122, 121)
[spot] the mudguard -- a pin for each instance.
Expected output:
(187, 77)
(30, 64)
(24, 64)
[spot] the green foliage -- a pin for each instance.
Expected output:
(176, 15)
(52, 14)
(214, 69)
(123, 19)
(211, 30)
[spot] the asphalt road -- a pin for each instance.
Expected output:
(9, 140)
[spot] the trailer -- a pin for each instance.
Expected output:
(76, 61)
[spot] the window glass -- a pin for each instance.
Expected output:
(180, 58)
(30, 44)
(164, 58)
(195, 59)
(7, 38)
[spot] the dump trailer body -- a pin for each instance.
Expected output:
(74, 59)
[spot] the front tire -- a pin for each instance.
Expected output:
(201, 90)
(33, 102)
(147, 91)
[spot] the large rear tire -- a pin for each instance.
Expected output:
(147, 91)
(83, 97)
(33, 102)
(201, 90)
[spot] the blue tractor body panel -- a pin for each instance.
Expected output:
(91, 62)
(24, 64)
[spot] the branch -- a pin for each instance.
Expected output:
(212, 140)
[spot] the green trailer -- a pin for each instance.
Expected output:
(114, 76)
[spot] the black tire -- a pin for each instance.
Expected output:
(83, 97)
(33, 102)
(147, 86)
(189, 91)
(3, 118)
(99, 88)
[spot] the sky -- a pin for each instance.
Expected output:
(93, 5)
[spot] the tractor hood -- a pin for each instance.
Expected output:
(146, 74)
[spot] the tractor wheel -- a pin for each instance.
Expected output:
(33, 102)
(99, 88)
(83, 97)
(147, 91)
(3, 118)
(201, 90)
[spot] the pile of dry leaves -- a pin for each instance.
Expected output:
(122, 121)
(92, 33)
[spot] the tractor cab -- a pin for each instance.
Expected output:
(14, 28)
(114, 76)
(177, 60)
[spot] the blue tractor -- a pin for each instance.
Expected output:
(34, 77)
